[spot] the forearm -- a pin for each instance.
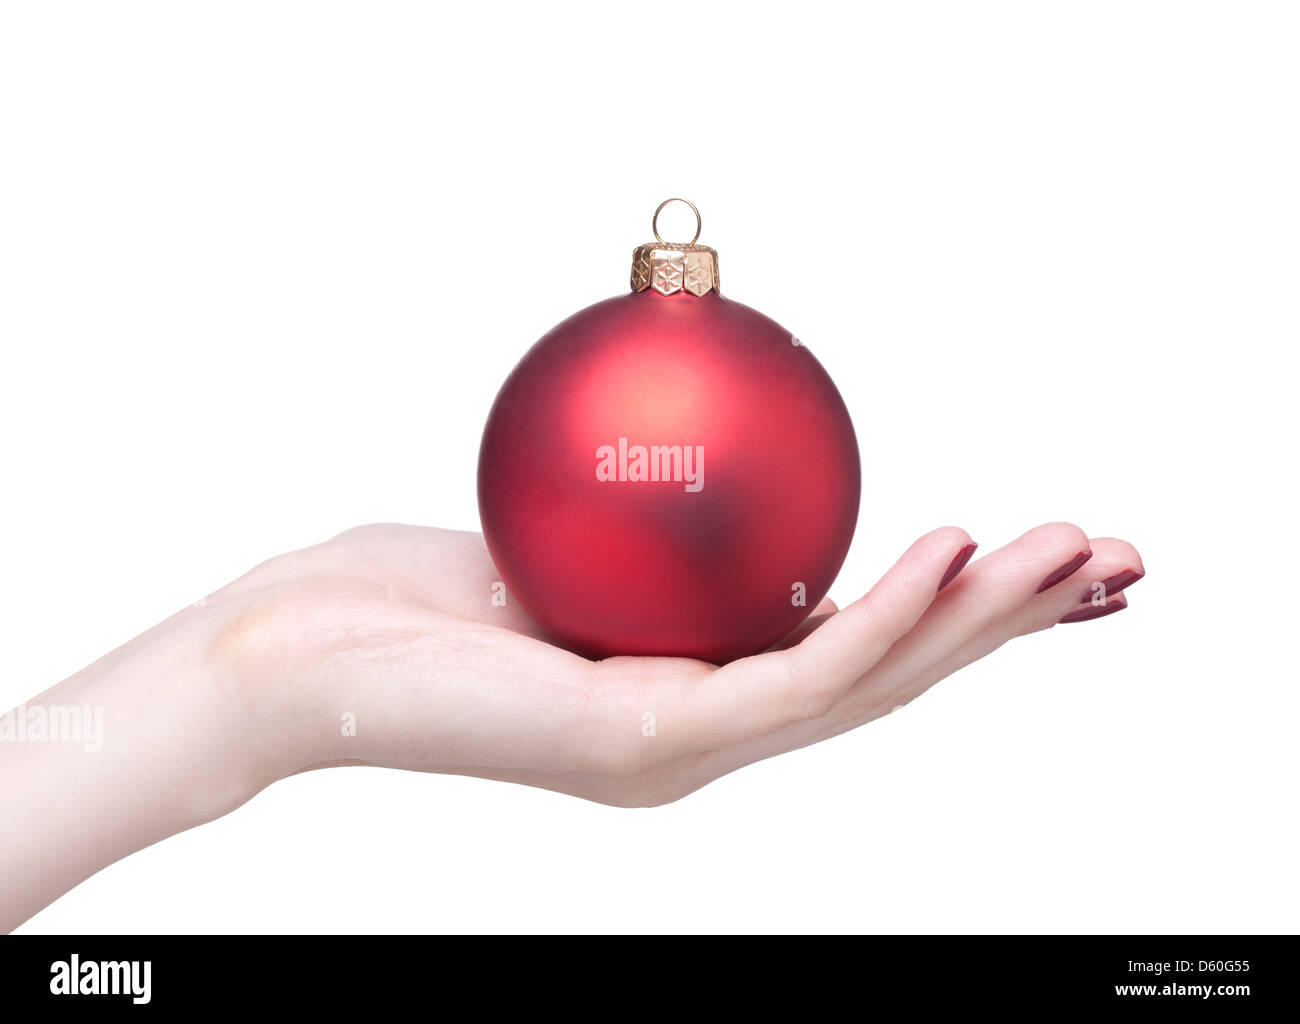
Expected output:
(145, 743)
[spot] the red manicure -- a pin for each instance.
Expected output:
(1111, 587)
(1065, 571)
(1095, 611)
(958, 564)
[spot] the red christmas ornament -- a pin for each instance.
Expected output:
(669, 472)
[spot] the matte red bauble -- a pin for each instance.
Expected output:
(669, 472)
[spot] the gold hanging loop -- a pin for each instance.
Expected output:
(699, 222)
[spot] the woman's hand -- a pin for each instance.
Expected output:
(392, 645)
(385, 646)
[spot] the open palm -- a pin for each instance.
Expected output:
(394, 632)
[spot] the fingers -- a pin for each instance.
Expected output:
(984, 595)
(1004, 596)
(987, 590)
(875, 696)
(1115, 567)
(885, 690)
(688, 774)
(972, 652)
(1085, 612)
(760, 694)
(1036, 565)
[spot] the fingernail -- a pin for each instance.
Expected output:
(1111, 587)
(1065, 571)
(958, 564)
(1095, 611)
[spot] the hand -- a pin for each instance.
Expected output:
(395, 627)
(384, 646)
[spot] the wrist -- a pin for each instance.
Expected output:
(176, 722)
(246, 701)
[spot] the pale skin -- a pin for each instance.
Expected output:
(394, 630)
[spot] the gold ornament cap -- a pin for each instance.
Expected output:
(670, 267)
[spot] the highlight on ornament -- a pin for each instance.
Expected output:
(640, 386)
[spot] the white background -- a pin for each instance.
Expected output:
(264, 265)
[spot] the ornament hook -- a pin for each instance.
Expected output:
(699, 223)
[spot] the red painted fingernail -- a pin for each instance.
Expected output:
(958, 564)
(1095, 611)
(1111, 587)
(1065, 571)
